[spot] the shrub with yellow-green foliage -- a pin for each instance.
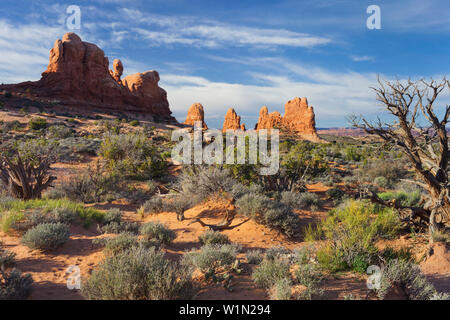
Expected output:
(351, 231)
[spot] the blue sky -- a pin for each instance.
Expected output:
(243, 54)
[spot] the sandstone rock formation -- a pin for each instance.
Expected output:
(268, 121)
(117, 71)
(78, 76)
(298, 118)
(196, 113)
(243, 126)
(232, 121)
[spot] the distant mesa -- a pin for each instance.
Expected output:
(196, 113)
(78, 75)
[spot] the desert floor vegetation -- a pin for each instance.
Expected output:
(102, 193)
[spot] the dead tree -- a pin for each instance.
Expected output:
(421, 134)
(26, 171)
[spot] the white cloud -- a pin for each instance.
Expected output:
(333, 95)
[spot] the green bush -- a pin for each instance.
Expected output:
(280, 217)
(112, 223)
(37, 124)
(281, 290)
(213, 237)
(408, 276)
(252, 205)
(269, 272)
(406, 199)
(156, 230)
(255, 257)
(153, 206)
(122, 242)
(95, 184)
(210, 258)
(46, 236)
(14, 285)
(351, 231)
(299, 200)
(139, 274)
(133, 156)
(134, 123)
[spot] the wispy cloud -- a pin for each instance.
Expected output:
(362, 58)
(191, 31)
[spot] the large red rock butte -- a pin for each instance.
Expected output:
(298, 118)
(78, 75)
(196, 113)
(232, 121)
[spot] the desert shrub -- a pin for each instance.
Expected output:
(93, 185)
(158, 231)
(276, 252)
(204, 182)
(351, 231)
(312, 233)
(281, 290)
(139, 274)
(407, 199)
(14, 285)
(381, 182)
(64, 215)
(122, 242)
(307, 199)
(392, 171)
(153, 206)
(252, 205)
(308, 275)
(440, 236)
(134, 123)
(210, 258)
(46, 236)
(59, 132)
(26, 166)
(112, 223)
(268, 272)
(37, 124)
(335, 193)
(133, 156)
(180, 203)
(407, 276)
(403, 254)
(255, 256)
(238, 190)
(112, 215)
(214, 238)
(280, 217)
(115, 245)
(72, 148)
